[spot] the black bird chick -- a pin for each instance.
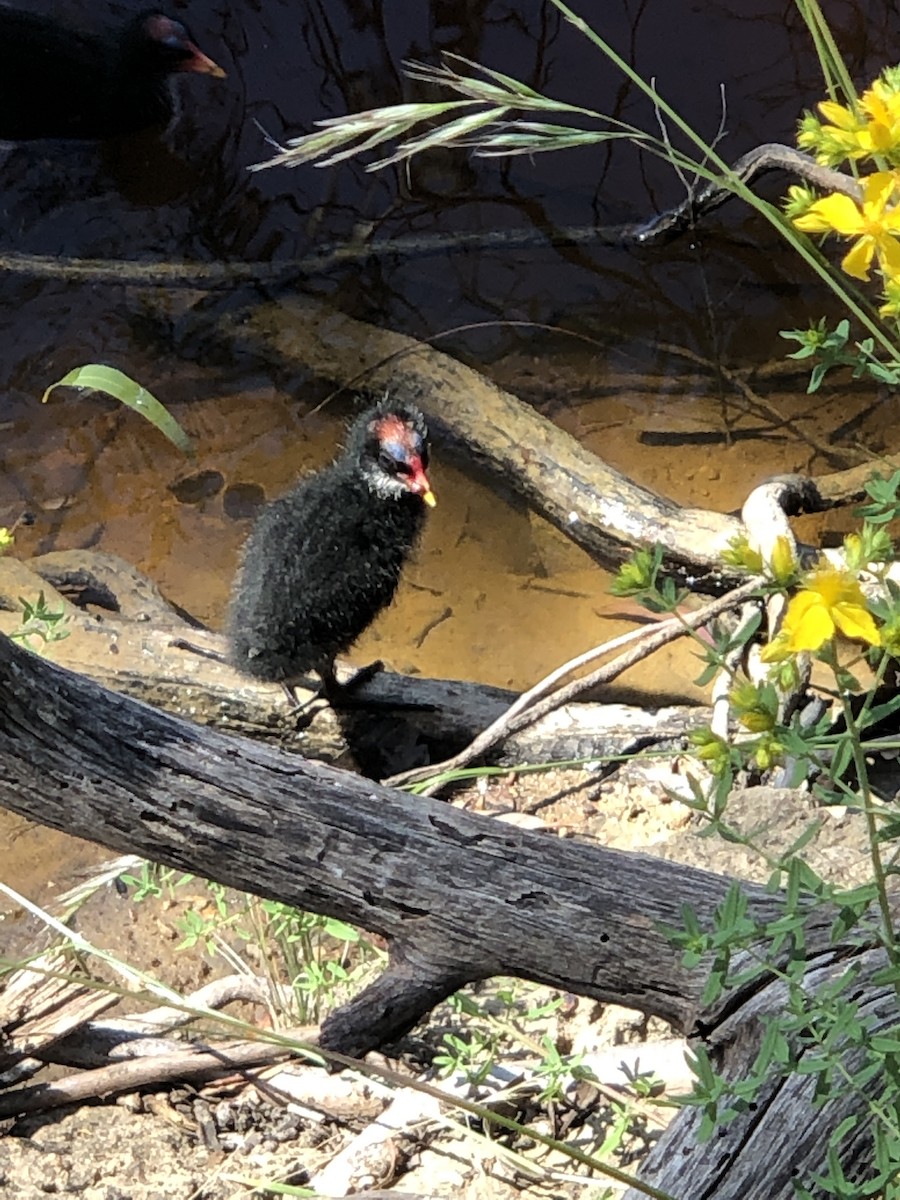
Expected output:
(56, 82)
(323, 561)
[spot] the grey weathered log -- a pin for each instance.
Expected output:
(779, 1140)
(458, 897)
(452, 891)
(137, 646)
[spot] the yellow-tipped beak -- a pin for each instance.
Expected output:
(429, 499)
(201, 64)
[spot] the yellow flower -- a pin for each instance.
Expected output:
(882, 106)
(871, 130)
(868, 127)
(6, 539)
(832, 601)
(872, 223)
(845, 129)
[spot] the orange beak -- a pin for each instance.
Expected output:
(420, 486)
(201, 65)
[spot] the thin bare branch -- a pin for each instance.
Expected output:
(530, 707)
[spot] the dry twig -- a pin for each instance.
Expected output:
(530, 707)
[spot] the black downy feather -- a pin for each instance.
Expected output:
(324, 560)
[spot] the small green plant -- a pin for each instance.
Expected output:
(833, 348)
(153, 881)
(640, 579)
(556, 1070)
(510, 1024)
(40, 621)
(315, 962)
(471, 1055)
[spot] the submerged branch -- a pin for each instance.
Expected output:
(211, 275)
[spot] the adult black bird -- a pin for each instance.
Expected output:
(56, 82)
(323, 561)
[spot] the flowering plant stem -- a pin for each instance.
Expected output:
(726, 178)
(854, 734)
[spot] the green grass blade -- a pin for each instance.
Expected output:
(97, 378)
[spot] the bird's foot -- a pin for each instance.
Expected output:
(363, 676)
(300, 707)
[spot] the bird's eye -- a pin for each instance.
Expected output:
(391, 463)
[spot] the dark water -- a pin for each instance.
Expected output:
(97, 477)
(290, 64)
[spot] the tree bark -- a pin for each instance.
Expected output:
(450, 890)
(458, 896)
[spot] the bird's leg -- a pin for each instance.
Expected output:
(363, 675)
(337, 692)
(180, 643)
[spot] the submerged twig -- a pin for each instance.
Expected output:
(209, 275)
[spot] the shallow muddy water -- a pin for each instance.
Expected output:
(493, 594)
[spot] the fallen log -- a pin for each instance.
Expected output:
(136, 644)
(458, 897)
(601, 510)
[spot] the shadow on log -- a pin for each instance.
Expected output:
(458, 896)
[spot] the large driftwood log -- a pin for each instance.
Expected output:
(604, 512)
(600, 509)
(458, 896)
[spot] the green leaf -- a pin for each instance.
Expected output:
(341, 930)
(886, 975)
(804, 839)
(98, 378)
(816, 377)
(879, 712)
